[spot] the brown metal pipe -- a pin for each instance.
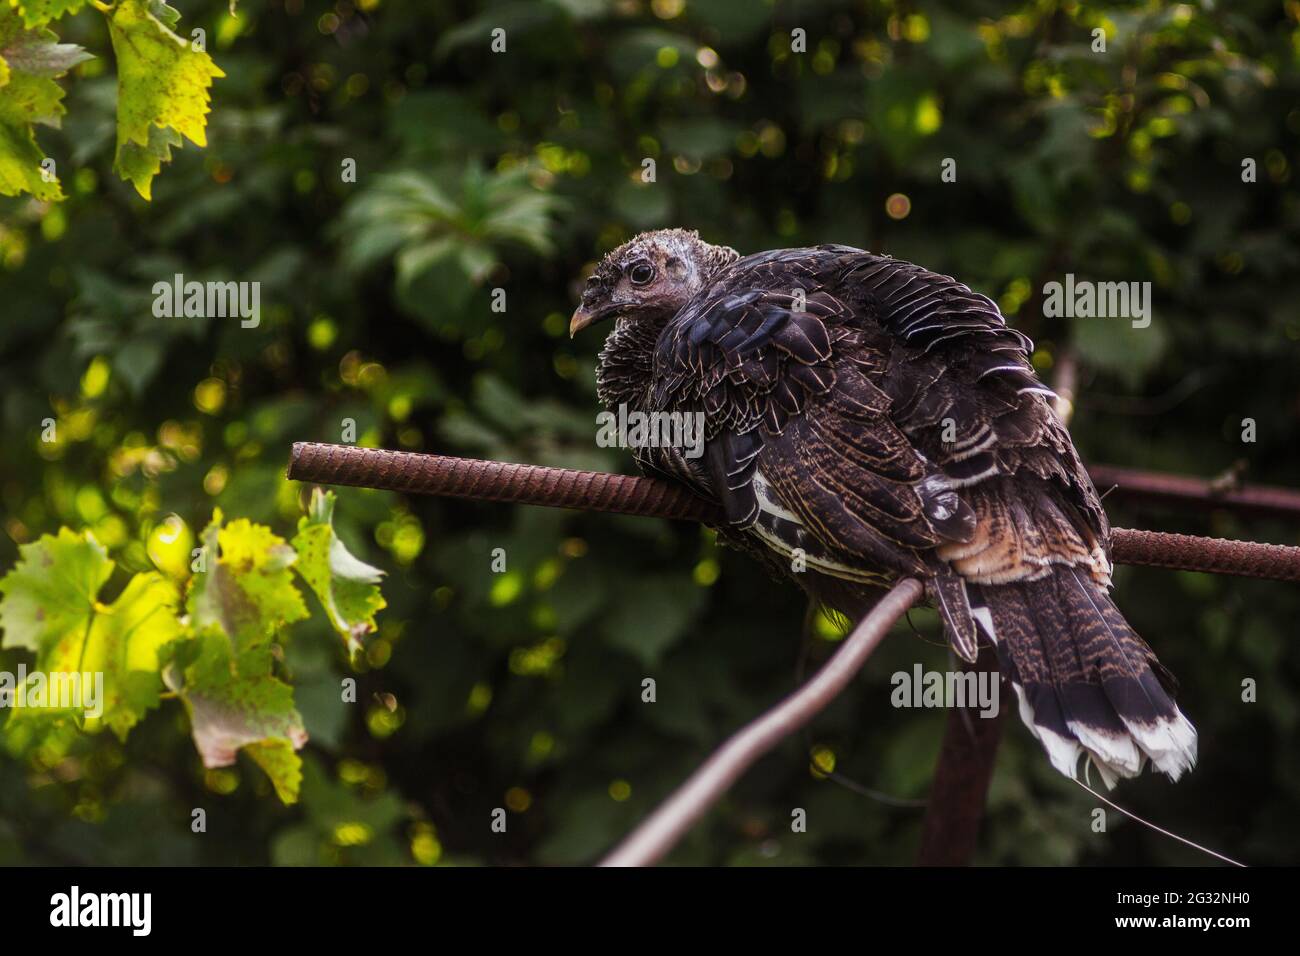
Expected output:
(1130, 483)
(480, 480)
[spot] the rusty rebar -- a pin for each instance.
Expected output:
(1186, 552)
(480, 480)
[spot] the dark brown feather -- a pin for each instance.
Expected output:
(881, 420)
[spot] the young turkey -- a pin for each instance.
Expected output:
(866, 419)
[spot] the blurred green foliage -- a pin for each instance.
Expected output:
(477, 171)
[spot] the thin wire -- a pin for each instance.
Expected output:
(1158, 829)
(848, 783)
(660, 831)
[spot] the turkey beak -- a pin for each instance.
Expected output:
(581, 319)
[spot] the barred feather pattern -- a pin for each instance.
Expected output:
(882, 420)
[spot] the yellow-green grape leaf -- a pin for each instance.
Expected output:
(246, 588)
(50, 593)
(36, 51)
(279, 760)
(20, 162)
(29, 61)
(140, 164)
(113, 664)
(98, 660)
(37, 12)
(124, 642)
(347, 587)
(235, 703)
(162, 82)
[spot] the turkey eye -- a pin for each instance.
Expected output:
(641, 273)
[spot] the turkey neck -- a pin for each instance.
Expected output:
(626, 367)
(627, 362)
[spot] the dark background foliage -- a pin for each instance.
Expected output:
(478, 171)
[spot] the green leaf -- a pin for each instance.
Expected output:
(246, 589)
(26, 99)
(138, 361)
(140, 164)
(29, 59)
(348, 588)
(38, 52)
(652, 614)
(123, 644)
(162, 83)
(518, 19)
(1114, 345)
(278, 758)
(37, 12)
(235, 703)
(20, 167)
(50, 606)
(444, 244)
(50, 593)
(414, 261)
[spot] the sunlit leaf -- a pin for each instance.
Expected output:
(162, 84)
(235, 702)
(51, 593)
(348, 588)
(51, 606)
(247, 588)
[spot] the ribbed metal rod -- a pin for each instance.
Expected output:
(481, 480)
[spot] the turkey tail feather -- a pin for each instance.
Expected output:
(1088, 686)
